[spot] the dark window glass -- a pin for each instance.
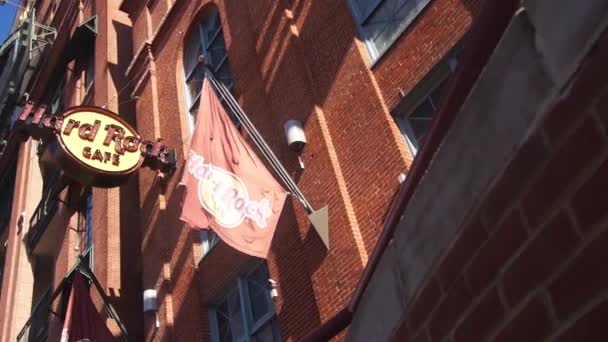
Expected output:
(89, 75)
(207, 39)
(58, 102)
(247, 313)
(382, 21)
(265, 334)
(420, 119)
(234, 314)
(88, 219)
(259, 293)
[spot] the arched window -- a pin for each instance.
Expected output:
(207, 40)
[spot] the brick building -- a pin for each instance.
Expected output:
(283, 60)
(507, 169)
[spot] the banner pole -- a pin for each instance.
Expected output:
(258, 139)
(86, 271)
(318, 218)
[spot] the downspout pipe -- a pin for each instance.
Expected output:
(486, 31)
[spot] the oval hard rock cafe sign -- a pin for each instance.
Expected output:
(100, 140)
(95, 146)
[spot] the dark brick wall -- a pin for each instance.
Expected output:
(526, 265)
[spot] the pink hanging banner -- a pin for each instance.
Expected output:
(228, 188)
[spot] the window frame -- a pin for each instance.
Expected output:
(436, 78)
(88, 220)
(360, 19)
(197, 38)
(58, 101)
(89, 74)
(89, 253)
(204, 48)
(250, 326)
(442, 82)
(208, 240)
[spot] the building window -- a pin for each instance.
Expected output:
(58, 101)
(88, 220)
(247, 312)
(414, 114)
(208, 240)
(85, 227)
(89, 74)
(207, 40)
(417, 123)
(382, 21)
(87, 258)
(420, 119)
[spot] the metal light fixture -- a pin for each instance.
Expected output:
(274, 293)
(296, 138)
(151, 304)
(150, 300)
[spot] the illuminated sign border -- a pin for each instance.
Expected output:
(73, 164)
(39, 125)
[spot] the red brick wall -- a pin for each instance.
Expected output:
(141, 24)
(425, 41)
(167, 245)
(528, 264)
(289, 59)
(89, 9)
(158, 9)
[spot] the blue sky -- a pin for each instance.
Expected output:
(7, 13)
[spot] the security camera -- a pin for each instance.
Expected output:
(294, 131)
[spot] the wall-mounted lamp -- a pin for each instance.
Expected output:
(151, 303)
(294, 131)
(274, 293)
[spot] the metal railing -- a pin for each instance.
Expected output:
(45, 210)
(7, 183)
(36, 328)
